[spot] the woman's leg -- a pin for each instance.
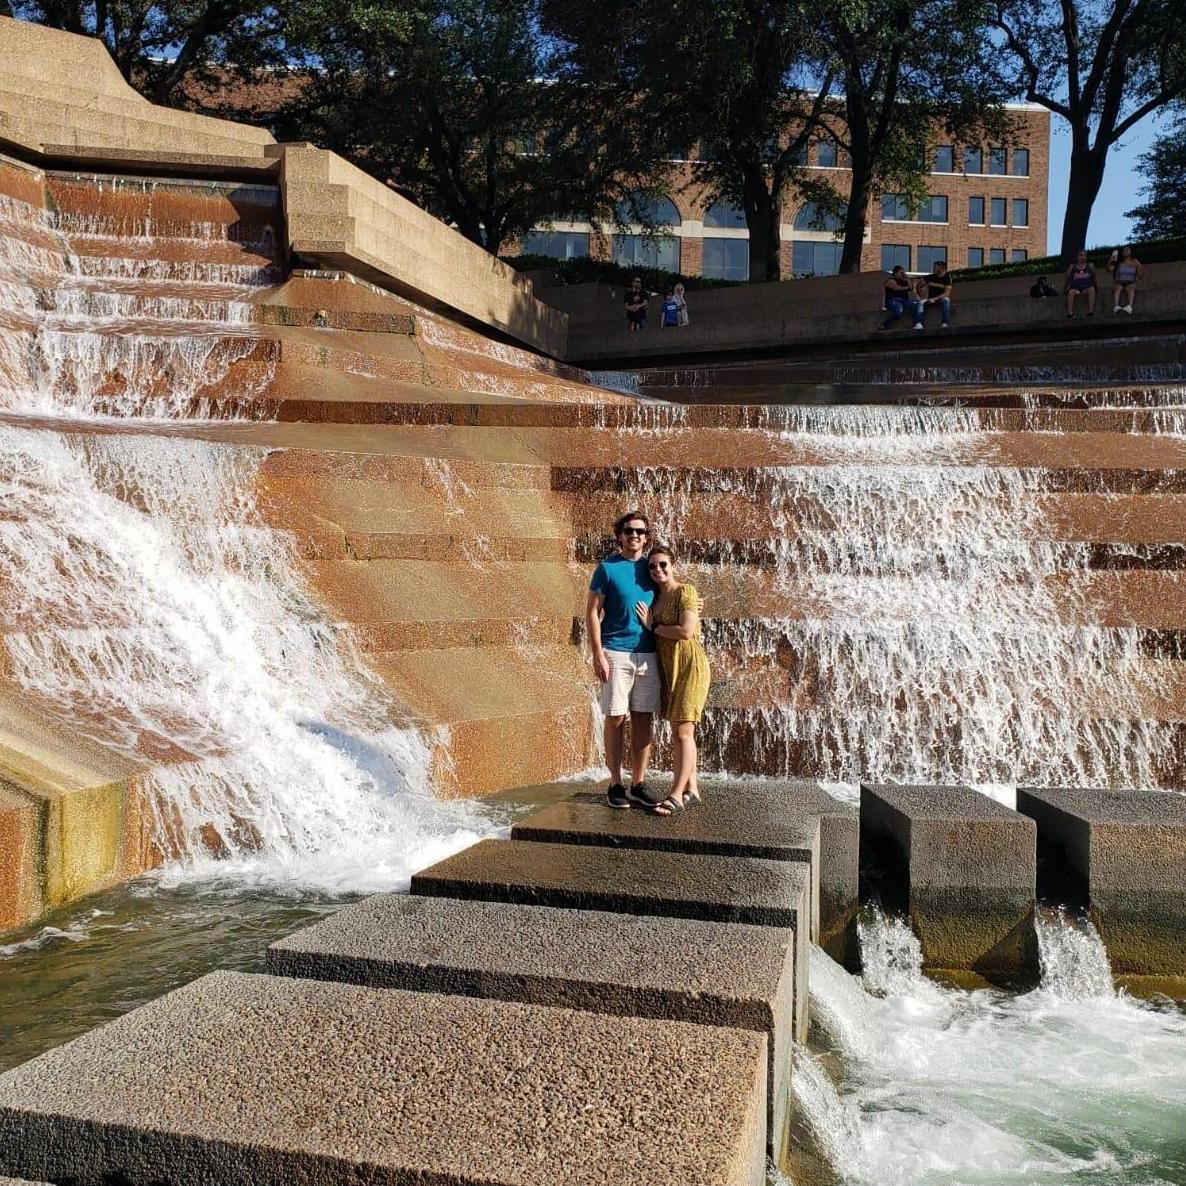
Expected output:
(685, 758)
(1090, 301)
(1070, 302)
(1117, 297)
(1128, 292)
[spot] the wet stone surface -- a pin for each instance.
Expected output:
(266, 1080)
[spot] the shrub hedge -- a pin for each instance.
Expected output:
(585, 271)
(1153, 251)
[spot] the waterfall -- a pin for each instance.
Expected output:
(147, 602)
(1074, 962)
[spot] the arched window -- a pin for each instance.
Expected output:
(659, 211)
(724, 214)
(812, 218)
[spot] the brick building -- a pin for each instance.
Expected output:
(986, 205)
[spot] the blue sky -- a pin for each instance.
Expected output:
(1119, 193)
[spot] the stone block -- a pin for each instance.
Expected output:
(633, 881)
(723, 974)
(726, 823)
(964, 867)
(250, 1080)
(1123, 856)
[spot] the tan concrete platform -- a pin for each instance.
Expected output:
(1122, 856)
(724, 974)
(964, 867)
(262, 1080)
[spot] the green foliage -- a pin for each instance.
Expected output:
(1151, 251)
(585, 270)
(466, 107)
(1163, 212)
(162, 46)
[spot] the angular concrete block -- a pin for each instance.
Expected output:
(264, 1081)
(724, 974)
(633, 881)
(964, 866)
(1125, 856)
(726, 824)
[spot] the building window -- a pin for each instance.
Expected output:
(975, 212)
(997, 212)
(646, 251)
(726, 259)
(928, 257)
(825, 154)
(894, 209)
(812, 218)
(1019, 255)
(1021, 212)
(996, 162)
(656, 211)
(1021, 162)
(894, 255)
(556, 244)
(725, 215)
(975, 257)
(799, 156)
(815, 259)
(944, 159)
(973, 160)
(996, 255)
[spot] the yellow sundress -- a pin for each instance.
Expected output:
(682, 661)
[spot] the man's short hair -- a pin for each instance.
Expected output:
(621, 523)
(939, 263)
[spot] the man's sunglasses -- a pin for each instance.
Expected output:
(635, 531)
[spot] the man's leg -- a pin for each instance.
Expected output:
(615, 727)
(945, 309)
(920, 313)
(642, 736)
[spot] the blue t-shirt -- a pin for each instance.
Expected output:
(623, 583)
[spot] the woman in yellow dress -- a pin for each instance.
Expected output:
(675, 620)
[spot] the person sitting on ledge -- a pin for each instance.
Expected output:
(1126, 271)
(899, 297)
(636, 305)
(1042, 290)
(1080, 281)
(938, 293)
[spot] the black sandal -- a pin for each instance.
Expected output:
(692, 799)
(673, 806)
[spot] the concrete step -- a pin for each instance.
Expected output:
(723, 974)
(1120, 856)
(272, 1080)
(963, 867)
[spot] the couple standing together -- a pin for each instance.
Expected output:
(644, 632)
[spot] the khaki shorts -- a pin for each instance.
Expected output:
(633, 684)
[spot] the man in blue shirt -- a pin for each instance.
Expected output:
(624, 659)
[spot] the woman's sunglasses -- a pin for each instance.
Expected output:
(658, 566)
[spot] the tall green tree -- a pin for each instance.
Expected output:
(467, 107)
(909, 71)
(163, 46)
(1162, 214)
(1103, 66)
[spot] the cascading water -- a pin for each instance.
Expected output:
(147, 602)
(930, 629)
(930, 1086)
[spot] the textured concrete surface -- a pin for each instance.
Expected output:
(730, 824)
(964, 866)
(634, 881)
(261, 1080)
(724, 974)
(20, 1182)
(1123, 854)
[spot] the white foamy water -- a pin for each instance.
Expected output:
(1068, 1084)
(147, 600)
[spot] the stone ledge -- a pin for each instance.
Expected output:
(1122, 856)
(263, 1081)
(722, 974)
(964, 867)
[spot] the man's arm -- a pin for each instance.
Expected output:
(594, 605)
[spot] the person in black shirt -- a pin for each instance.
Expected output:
(938, 293)
(636, 305)
(1042, 290)
(898, 297)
